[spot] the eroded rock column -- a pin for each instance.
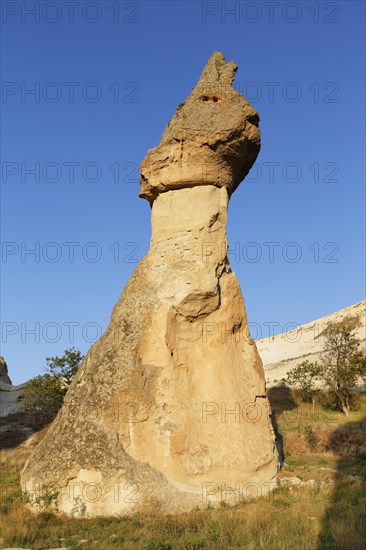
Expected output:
(169, 409)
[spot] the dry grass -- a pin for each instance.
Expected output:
(286, 522)
(319, 518)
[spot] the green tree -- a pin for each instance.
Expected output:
(304, 377)
(43, 395)
(340, 370)
(359, 365)
(342, 366)
(65, 368)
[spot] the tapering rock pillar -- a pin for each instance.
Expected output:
(169, 409)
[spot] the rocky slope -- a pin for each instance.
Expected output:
(284, 351)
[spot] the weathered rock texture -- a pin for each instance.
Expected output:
(213, 138)
(169, 408)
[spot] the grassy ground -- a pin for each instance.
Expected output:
(319, 445)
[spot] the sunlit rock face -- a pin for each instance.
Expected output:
(213, 138)
(169, 409)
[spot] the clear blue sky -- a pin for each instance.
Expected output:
(302, 66)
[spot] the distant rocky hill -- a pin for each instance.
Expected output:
(4, 376)
(9, 394)
(283, 352)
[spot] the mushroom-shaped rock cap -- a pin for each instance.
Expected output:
(213, 138)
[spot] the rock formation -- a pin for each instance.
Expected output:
(4, 376)
(169, 409)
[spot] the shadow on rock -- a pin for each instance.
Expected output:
(282, 401)
(18, 427)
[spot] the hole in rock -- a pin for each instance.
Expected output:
(213, 99)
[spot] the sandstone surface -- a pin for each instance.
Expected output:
(169, 409)
(213, 138)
